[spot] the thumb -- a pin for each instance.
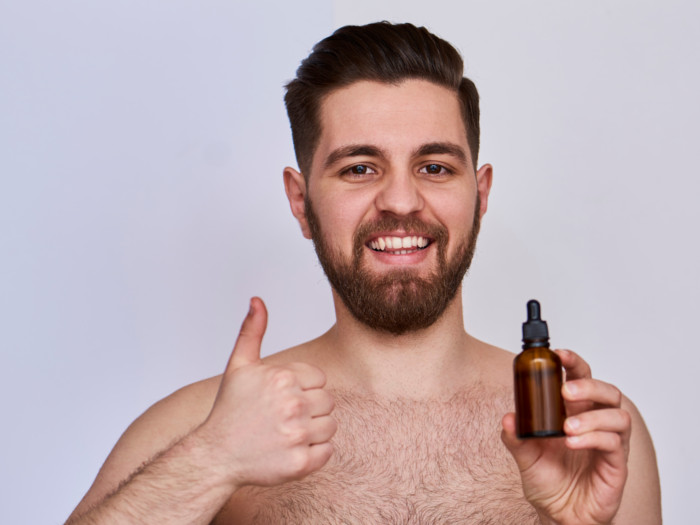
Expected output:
(247, 348)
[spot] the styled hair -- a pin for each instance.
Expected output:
(380, 52)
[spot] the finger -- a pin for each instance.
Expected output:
(309, 376)
(247, 348)
(607, 442)
(575, 366)
(606, 420)
(319, 455)
(592, 391)
(322, 429)
(321, 403)
(524, 451)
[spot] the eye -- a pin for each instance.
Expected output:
(435, 169)
(358, 171)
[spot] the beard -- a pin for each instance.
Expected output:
(399, 301)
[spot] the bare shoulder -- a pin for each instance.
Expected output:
(155, 430)
(641, 502)
(311, 352)
(495, 364)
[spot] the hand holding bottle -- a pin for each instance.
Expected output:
(580, 478)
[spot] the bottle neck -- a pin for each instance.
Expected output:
(536, 343)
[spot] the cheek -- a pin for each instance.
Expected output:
(339, 217)
(455, 210)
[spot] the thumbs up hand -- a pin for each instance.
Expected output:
(269, 424)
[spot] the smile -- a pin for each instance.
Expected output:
(399, 245)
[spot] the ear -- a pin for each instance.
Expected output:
(295, 187)
(484, 177)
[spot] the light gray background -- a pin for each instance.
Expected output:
(141, 205)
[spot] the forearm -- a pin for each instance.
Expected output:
(181, 485)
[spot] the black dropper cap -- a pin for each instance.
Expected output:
(535, 333)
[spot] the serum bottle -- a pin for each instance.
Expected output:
(539, 407)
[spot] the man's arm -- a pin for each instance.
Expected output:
(180, 485)
(160, 428)
(267, 425)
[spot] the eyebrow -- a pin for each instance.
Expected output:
(353, 150)
(442, 148)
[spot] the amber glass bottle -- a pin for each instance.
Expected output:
(539, 407)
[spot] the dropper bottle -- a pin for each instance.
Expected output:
(539, 407)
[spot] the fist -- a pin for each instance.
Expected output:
(269, 424)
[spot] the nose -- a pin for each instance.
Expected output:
(399, 194)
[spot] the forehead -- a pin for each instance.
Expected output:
(394, 117)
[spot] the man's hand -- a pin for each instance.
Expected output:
(578, 479)
(269, 424)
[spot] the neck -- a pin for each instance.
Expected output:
(427, 363)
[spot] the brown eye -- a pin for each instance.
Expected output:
(359, 172)
(435, 169)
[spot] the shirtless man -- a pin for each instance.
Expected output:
(395, 415)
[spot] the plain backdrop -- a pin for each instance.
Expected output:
(141, 205)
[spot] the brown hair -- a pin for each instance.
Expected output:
(381, 52)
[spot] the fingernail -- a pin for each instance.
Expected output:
(571, 388)
(574, 423)
(573, 439)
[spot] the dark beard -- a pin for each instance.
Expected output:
(397, 302)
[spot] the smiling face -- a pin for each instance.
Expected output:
(393, 202)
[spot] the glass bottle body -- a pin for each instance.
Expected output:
(539, 407)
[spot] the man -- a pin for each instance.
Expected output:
(396, 414)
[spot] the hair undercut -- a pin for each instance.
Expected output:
(380, 52)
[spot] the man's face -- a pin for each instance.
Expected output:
(393, 202)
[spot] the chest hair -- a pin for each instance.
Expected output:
(406, 462)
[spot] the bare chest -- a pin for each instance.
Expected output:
(402, 462)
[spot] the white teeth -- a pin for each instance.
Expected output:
(402, 245)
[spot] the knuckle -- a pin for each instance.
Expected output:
(298, 436)
(626, 418)
(299, 462)
(615, 440)
(293, 408)
(325, 403)
(332, 426)
(617, 396)
(282, 378)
